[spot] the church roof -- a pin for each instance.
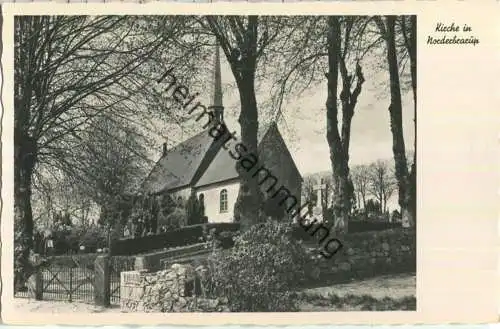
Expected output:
(179, 166)
(185, 162)
(223, 166)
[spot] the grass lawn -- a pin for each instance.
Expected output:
(388, 292)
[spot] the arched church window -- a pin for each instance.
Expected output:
(223, 201)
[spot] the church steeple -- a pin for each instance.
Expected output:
(217, 106)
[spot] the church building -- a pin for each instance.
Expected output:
(201, 165)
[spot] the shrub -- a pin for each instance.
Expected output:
(259, 272)
(195, 209)
(93, 239)
(173, 220)
(220, 239)
(227, 239)
(395, 216)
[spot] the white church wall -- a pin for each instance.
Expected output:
(212, 194)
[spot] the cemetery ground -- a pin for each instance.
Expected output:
(396, 291)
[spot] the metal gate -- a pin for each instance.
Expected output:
(70, 281)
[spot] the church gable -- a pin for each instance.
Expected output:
(273, 154)
(223, 167)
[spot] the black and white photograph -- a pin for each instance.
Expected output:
(224, 163)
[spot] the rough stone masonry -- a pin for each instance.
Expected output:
(177, 289)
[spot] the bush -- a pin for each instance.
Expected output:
(219, 239)
(173, 220)
(227, 239)
(69, 239)
(260, 271)
(93, 239)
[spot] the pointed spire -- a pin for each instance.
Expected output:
(217, 100)
(217, 78)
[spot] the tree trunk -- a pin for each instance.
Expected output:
(341, 198)
(25, 158)
(249, 203)
(413, 69)
(395, 111)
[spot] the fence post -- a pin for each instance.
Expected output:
(38, 285)
(70, 284)
(102, 281)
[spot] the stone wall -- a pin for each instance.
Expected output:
(177, 289)
(367, 254)
(157, 260)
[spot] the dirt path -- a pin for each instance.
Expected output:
(35, 306)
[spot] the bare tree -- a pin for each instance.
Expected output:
(69, 69)
(308, 192)
(409, 31)
(110, 166)
(244, 40)
(326, 195)
(387, 27)
(381, 182)
(361, 179)
(339, 143)
(338, 44)
(55, 192)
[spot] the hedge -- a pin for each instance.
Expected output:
(122, 263)
(88, 261)
(193, 234)
(354, 227)
(79, 260)
(183, 236)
